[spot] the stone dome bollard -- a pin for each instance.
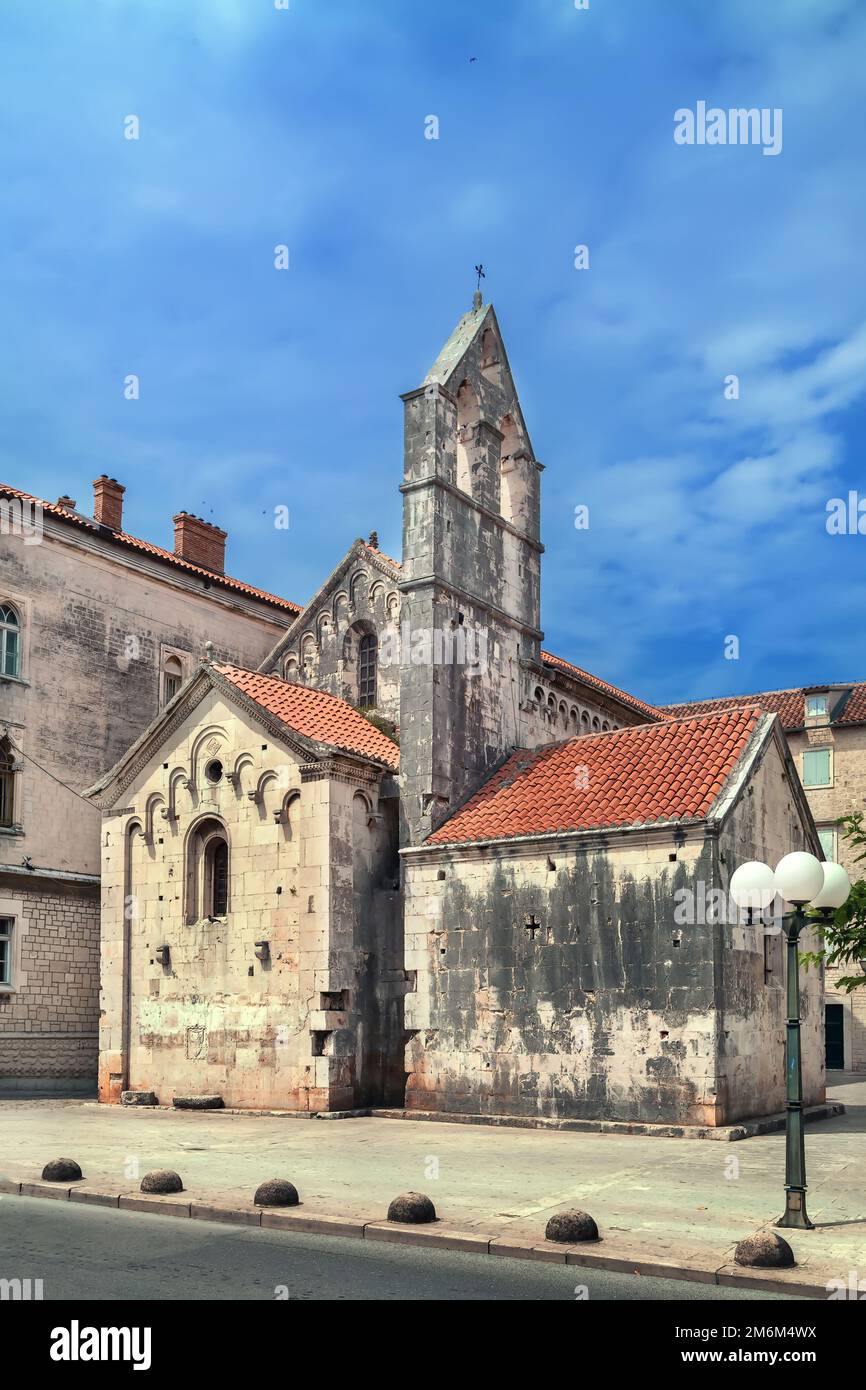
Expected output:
(571, 1227)
(162, 1180)
(412, 1207)
(276, 1192)
(61, 1170)
(765, 1250)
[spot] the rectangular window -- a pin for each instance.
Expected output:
(816, 767)
(171, 687)
(828, 843)
(6, 924)
(816, 706)
(7, 785)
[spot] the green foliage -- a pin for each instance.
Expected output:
(843, 938)
(385, 726)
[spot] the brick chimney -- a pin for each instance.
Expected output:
(108, 502)
(199, 542)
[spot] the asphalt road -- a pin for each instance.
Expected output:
(91, 1253)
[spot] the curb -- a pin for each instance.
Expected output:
(725, 1274)
(725, 1134)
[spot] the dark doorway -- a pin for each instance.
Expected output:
(834, 1037)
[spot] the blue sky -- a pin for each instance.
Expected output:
(258, 388)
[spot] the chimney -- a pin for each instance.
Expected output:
(68, 502)
(199, 542)
(108, 502)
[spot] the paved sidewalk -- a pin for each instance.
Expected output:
(673, 1202)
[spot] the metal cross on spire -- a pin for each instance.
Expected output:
(476, 298)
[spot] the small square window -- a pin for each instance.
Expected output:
(816, 706)
(816, 767)
(6, 925)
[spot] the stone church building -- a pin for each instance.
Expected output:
(408, 858)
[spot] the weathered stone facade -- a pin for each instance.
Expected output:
(288, 995)
(554, 982)
(830, 718)
(103, 622)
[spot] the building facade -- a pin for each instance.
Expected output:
(826, 731)
(489, 927)
(98, 630)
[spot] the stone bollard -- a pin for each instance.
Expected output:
(765, 1250)
(61, 1170)
(412, 1207)
(197, 1102)
(162, 1180)
(571, 1227)
(276, 1192)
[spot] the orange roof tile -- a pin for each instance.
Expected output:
(629, 777)
(788, 704)
(314, 714)
(589, 679)
(123, 538)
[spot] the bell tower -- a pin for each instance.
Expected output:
(470, 612)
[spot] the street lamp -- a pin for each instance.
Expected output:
(800, 879)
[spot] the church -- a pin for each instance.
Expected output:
(411, 860)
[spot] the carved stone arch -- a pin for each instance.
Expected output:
(341, 609)
(154, 803)
(290, 668)
(242, 762)
(356, 645)
(258, 795)
(178, 780)
(512, 484)
(393, 605)
(584, 722)
(377, 594)
(207, 868)
(324, 627)
(358, 589)
(596, 724)
(207, 746)
(491, 358)
(468, 415)
(573, 721)
(290, 816)
(538, 696)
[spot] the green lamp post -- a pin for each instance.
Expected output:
(803, 881)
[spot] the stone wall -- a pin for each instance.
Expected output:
(846, 795)
(49, 1017)
(555, 979)
(285, 1031)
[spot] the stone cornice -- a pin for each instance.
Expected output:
(435, 581)
(434, 480)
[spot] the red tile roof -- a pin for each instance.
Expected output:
(314, 714)
(788, 704)
(631, 777)
(560, 664)
(133, 543)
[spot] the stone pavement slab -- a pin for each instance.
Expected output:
(659, 1203)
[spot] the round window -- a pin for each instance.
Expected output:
(214, 771)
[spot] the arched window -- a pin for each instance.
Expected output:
(207, 873)
(367, 654)
(7, 783)
(10, 641)
(172, 678)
